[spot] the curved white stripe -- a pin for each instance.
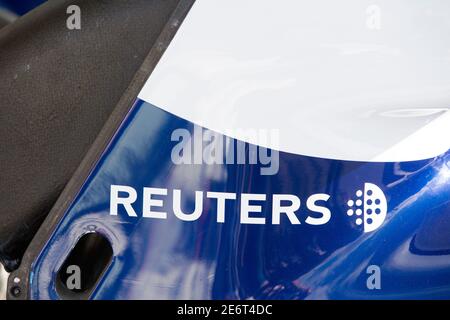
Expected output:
(332, 81)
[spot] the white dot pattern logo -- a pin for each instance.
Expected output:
(369, 206)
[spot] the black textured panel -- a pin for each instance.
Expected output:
(57, 89)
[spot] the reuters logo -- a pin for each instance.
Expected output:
(369, 206)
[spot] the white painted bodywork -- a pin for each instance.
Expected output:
(350, 79)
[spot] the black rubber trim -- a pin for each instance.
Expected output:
(18, 282)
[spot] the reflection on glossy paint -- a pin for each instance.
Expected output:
(413, 113)
(173, 259)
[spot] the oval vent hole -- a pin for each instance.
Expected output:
(84, 267)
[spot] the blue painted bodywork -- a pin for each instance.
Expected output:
(173, 259)
(20, 7)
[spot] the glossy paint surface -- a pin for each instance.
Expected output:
(20, 7)
(203, 259)
(349, 80)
